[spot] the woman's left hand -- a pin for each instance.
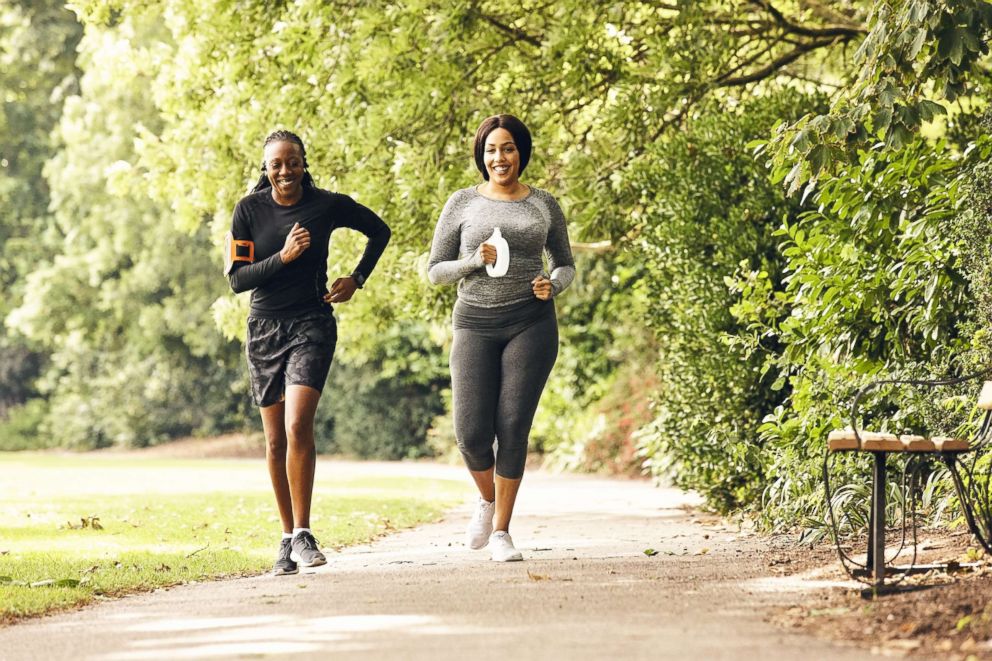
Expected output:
(542, 288)
(342, 290)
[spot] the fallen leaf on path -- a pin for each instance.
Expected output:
(537, 577)
(650, 552)
(703, 552)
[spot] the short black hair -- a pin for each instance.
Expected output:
(284, 136)
(521, 137)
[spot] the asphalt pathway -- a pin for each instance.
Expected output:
(586, 590)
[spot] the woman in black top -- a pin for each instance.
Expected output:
(277, 247)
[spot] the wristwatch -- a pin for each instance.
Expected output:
(358, 278)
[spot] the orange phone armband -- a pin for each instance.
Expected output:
(237, 251)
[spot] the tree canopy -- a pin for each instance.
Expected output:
(770, 201)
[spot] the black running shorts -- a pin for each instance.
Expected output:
(289, 352)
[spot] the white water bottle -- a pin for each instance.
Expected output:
(498, 270)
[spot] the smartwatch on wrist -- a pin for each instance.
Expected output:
(358, 278)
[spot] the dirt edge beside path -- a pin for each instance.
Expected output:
(937, 615)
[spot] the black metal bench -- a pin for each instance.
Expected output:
(960, 455)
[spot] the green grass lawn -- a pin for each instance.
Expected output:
(163, 522)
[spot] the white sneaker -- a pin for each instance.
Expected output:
(502, 548)
(481, 525)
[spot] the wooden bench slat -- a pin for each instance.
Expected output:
(913, 443)
(875, 442)
(838, 442)
(985, 397)
(948, 444)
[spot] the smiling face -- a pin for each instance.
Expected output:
(284, 166)
(501, 158)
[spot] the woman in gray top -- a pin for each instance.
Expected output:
(505, 329)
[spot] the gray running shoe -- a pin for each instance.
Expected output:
(284, 563)
(305, 550)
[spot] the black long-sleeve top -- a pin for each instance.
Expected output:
(287, 290)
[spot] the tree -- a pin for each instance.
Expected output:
(917, 53)
(37, 73)
(122, 303)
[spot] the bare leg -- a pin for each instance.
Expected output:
(301, 459)
(506, 496)
(273, 422)
(484, 482)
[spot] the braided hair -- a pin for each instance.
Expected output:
(284, 136)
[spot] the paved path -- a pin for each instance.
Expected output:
(585, 591)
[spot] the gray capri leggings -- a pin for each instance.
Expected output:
(500, 361)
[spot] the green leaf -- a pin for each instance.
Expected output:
(821, 124)
(887, 93)
(930, 109)
(841, 127)
(896, 138)
(917, 45)
(951, 45)
(818, 157)
(881, 121)
(650, 552)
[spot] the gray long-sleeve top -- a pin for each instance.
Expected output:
(531, 226)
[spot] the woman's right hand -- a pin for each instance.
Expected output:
(488, 252)
(297, 241)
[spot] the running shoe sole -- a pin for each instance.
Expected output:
(316, 562)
